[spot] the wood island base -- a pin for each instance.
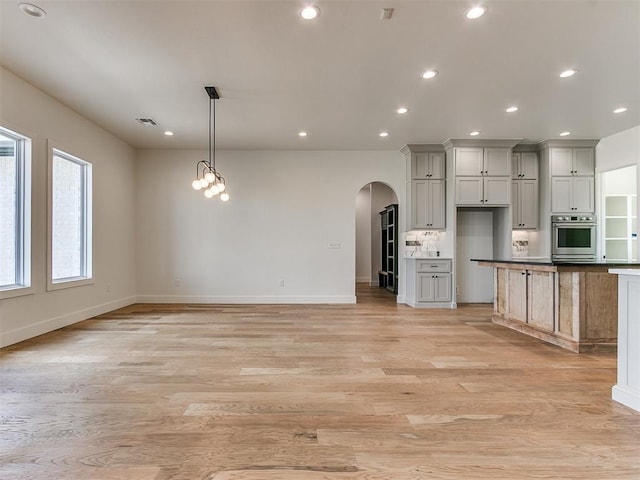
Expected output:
(573, 306)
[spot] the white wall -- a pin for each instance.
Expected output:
(363, 235)
(285, 208)
(616, 151)
(29, 111)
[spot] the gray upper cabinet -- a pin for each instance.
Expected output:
(572, 161)
(426, 182)
(469, 162)
(483, 176)
(427, 165)
(572, 179)
(524, 166)
(495, 162)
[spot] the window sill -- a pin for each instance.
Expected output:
(69, 283)
(19, 291)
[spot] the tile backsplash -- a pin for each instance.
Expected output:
(422, 244)
(520, 244)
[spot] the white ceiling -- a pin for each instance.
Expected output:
(339, 77)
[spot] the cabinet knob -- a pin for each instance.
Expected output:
(523, 273)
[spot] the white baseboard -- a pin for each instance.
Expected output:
(626, 396)
(250, 299)
(363, 279)
(51, 324)
(375, 283)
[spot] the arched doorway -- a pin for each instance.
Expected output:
(372, 199)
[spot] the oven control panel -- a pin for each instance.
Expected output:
(573, 219)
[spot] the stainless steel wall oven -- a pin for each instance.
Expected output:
(573, 238)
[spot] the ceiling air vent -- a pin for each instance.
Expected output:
(149, 122)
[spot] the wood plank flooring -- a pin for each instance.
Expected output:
(370, 391)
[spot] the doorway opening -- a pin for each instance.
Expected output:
(371, 281)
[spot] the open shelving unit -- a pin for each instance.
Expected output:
(621, 228)
(389, 238)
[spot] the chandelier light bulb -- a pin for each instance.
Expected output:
(214, 189)
(204, 183)
(208, 193)
(209, 177)
(222, 187)
(224, 197)
(196, 184)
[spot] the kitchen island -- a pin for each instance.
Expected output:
(571, 305)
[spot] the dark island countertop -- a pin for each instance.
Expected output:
(547, 262)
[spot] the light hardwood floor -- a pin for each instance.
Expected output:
(373, 391)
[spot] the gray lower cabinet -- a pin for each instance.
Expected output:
(429, 282)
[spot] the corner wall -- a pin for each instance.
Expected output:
(31, 112)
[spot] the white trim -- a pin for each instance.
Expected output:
(51, 324)
(363, 279)
(248, 299)
(626, 396)
(54, 149)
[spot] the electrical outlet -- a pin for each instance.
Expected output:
(282, 283)
(108, 288)
(178, 282)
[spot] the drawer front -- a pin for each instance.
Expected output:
(433, 266)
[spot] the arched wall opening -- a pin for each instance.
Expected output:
(370, 201)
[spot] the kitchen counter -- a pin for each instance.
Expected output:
(548, 262)
(571, 305)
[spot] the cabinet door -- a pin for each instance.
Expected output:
(436, 207)
(517, 295)
(561, 194)
(583, 195)
(497, 191)
(561, 161)
(442, 287)
(436, 165)
(515, 165)
(529, 165)
(469, 190)
(528, 203)
(419, 203)
(469, 161)
(515, 205)
(583, 161)
(541, 297)
(424, 287)
(497, 161)
(419, 165)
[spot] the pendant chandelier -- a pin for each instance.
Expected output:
(207, 177)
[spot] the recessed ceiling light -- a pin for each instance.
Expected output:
(302, 133)
(568, 73)
(511, 109)
(429, 74)
(620, 110)
(168, 133)
(402, 110)
(32, 10)
(475, 133)
(564, 134)
(310, 12)
(384, 134)
(475, 12)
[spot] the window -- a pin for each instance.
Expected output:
(70, 220)
(15, 214)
